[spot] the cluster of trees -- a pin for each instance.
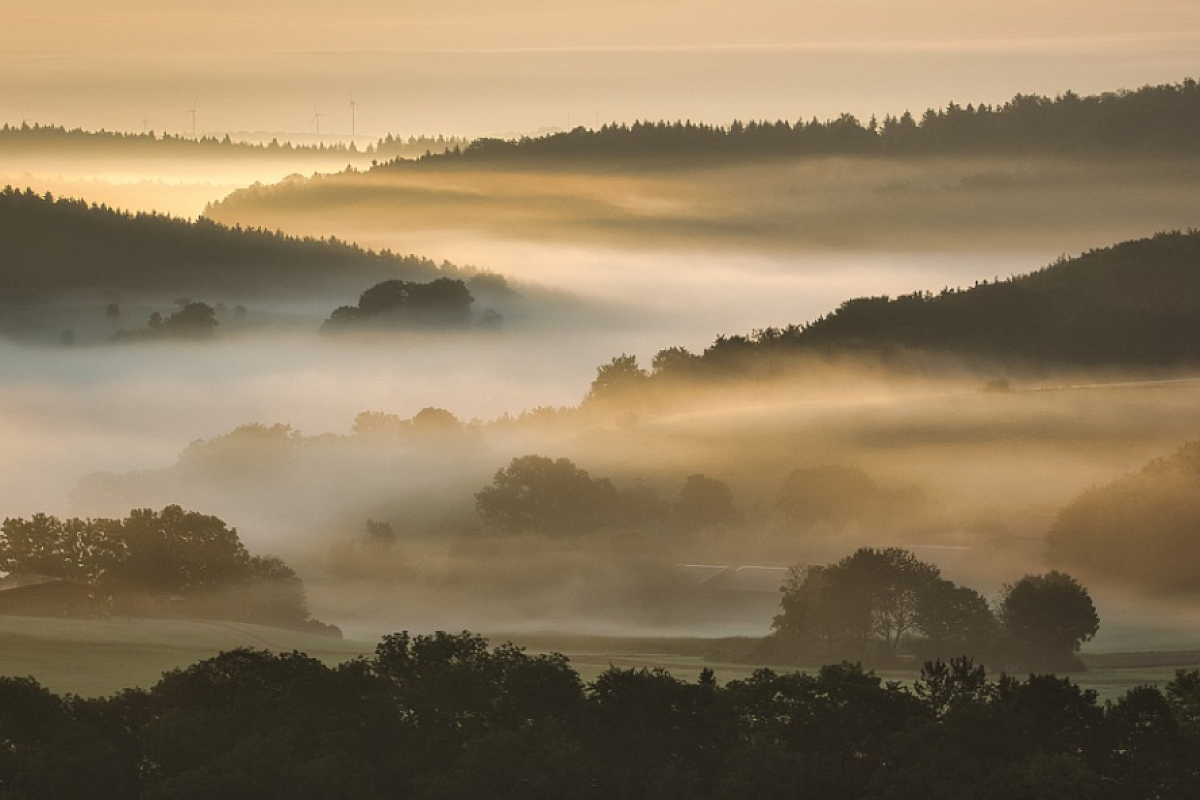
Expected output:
(1136, 303)
(875, 604)
(1151, 120)
(54, 246)
(445, 302)
(193, 320)
(435, 426)
(542, 495)
(153, 562)
(1140, 529)
(445, 716)
(546, 496)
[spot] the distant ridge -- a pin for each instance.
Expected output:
(1162, 120)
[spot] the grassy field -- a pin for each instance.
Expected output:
(99, 657)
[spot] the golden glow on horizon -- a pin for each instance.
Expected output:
(495, 67)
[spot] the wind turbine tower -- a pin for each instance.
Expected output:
(317, 118)
(192, 111)
(353, 127)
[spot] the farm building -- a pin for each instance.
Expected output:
(41, 596)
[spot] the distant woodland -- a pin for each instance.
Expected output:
(1154, 120)
(55, 246)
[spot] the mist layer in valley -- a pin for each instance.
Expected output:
(362, 459)
(970, 479)
(860, 205)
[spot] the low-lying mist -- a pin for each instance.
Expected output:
(261, 426)
(969, 478)
(816, 204)
(146, 182)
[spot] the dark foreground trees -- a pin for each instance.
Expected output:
(447, 716)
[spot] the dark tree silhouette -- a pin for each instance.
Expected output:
(618, 380)
(870, 602)
(1047, 618)
(542, 495)
(398, 303)
(703, 502)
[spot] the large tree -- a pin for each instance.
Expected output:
(703, 502)
(543, 495)
(1047, 618)
(618, 380)
(871, 599)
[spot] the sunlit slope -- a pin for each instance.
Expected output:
(67, 247)
(99, 657)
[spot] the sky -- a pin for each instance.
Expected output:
(486, 67)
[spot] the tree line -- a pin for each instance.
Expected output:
(1135, 304)
(448, 716)
(172, 562)
(1152, 120)
(37, 137)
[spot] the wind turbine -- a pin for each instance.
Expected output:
(353, 127)
(317, 118)
(192, 111)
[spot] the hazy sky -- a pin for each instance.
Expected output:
(476, 67)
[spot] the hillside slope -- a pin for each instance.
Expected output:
(1135, 304)
(54, 247)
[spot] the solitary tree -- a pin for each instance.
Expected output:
(703, 502)
(193, 321)
(542, 495)
(1047, 618)
(618, 379)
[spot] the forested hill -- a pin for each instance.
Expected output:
(1154, 120)
(1133, 304)
(59, 246)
